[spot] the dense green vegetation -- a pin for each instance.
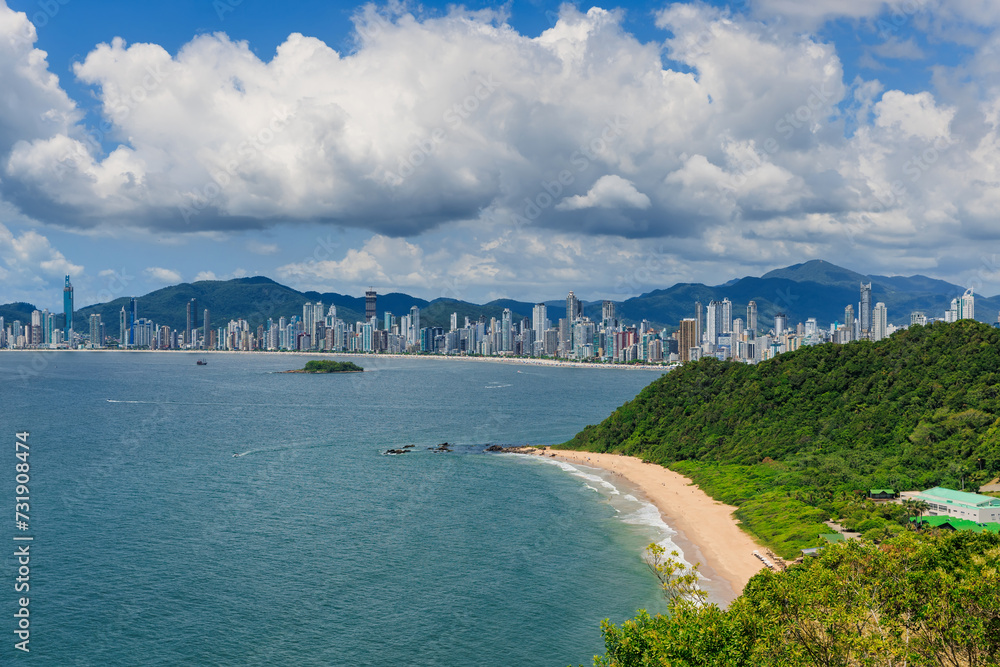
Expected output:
(327, 366)
(802, 437)
(916, 599)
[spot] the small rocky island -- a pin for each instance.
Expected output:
(327, 366)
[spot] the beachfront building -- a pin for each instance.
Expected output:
(961, 505)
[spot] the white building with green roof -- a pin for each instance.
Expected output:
(961, 505)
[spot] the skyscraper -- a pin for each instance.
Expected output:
(192, 322)
(68, 310)
(506, 341)
(780, 324)
(573, 307)
(370, 296)
(751, 316)
(96, 339)
(699, 326)
(880, 322)
(865, 312)
(688, 331)
(608, 313)
(414, 325)
(206, 336)
(134, 307)
(849, 322)
(966, 306)
(727, 316)
(123, 328)
(539, 320)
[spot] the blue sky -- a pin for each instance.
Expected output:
(490, 150)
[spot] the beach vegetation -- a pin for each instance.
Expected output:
(800, 438)
(913, 599)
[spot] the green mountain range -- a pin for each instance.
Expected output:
(812, 289)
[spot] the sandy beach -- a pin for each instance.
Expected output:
(723, 549)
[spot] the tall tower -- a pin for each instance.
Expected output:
(539, 316)
(880, 321)
(192, 321)
(966, 305)
(687, 339)
(752, 316)
(780, 324)
(865, 312)
(698, 319)
(574, 309)
(123, 324)
(370, 304)
(506, 337)
(849, 321)
(727, 316)
(415, 325)
(608, 313)
(206, 321)
(134, 307)
(68, 310)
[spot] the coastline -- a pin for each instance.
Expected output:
(707, 531)
(526, 361)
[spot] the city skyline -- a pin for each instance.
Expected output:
(667, 142)
(575, 337)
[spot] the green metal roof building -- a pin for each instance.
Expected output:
(960, 505)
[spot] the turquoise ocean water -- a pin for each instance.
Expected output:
(155, 545)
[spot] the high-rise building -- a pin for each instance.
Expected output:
(727, 316)
(192, 322)
(506, 340)
(848, 323)
(539, 320)
(454, 322)
(574, 309)
(752, 316)
(608, 314)
(880, 322)
(780, 324)
(370, 296)
(68, 310)
(387, 321)
(134, 308)
(967, 306)
(414, 338)
(96, 339)
(687, 338)
(123, 328)
(716, 322)
(865, 312)
(918, 317)
(206, 335)
(699, 321)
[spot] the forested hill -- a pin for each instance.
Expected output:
(915, 410)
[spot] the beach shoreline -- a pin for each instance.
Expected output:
(707, 531)
(525, 361)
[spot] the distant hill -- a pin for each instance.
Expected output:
(811, 289)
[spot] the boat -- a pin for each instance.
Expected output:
(202, 362)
